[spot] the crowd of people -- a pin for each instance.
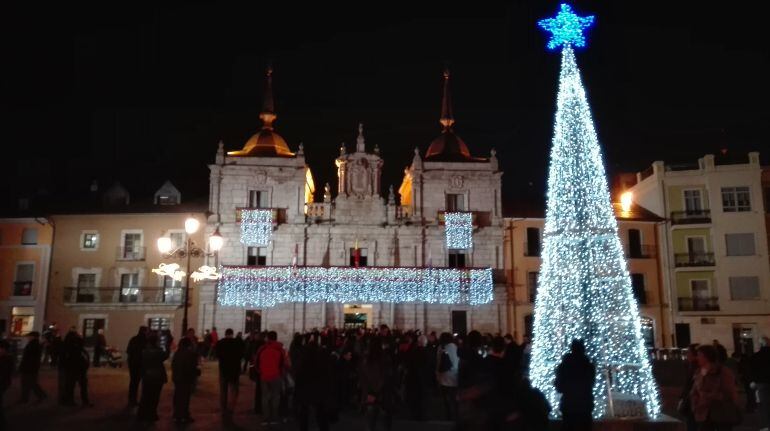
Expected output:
(479, 378)
(477, 381)
(710, 401)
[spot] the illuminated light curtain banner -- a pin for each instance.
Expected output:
(270, 286)
(459, 230)
(256, 227)
(584, 289)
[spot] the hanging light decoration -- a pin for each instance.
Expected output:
(269, 286)
(169, 270)
(256, 227)
(459, 230)
(205, 273)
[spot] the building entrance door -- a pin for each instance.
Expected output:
(91, 328)
(356, 316)
(743, 338)
(459, 322)
(253, 322)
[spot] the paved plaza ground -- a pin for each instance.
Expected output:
(108, 388)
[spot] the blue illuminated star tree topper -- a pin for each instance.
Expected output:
(566, 28)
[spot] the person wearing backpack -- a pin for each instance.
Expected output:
(447, 366)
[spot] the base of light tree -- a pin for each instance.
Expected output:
(663, 423)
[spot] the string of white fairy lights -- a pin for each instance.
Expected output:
(256, 227)
(269, 286)
(458, 227)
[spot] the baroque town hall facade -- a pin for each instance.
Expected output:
(354, 229)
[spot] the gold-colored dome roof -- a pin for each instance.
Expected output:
(266, 142)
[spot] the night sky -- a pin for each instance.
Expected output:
(142, 95)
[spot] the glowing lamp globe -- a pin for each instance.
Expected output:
(191, 225)
(216, 241)
(164, 244)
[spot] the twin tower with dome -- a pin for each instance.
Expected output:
(357, 257)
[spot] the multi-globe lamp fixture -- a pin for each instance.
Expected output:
(188, 250)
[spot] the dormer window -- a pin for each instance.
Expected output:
(167, 194)
(168, 200)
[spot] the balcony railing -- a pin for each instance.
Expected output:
(403, 212)
(130, 253)
(279, 214)
(683, 260)
(123, 295)
(642, 252)
(691, 217)
(699, 304)
(479, 218)
(532, 251)
(442, 216)
(22, 288)
(316, 209)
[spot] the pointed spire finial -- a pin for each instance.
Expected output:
(268, 106)
(447, 119)
(360, 143)
(327, 193)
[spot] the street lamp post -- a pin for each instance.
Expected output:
(189, 250)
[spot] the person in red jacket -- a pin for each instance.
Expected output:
(214, 339)
(270, 360)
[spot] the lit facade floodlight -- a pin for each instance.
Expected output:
(626, 200)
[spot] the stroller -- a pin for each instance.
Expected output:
(114, 357)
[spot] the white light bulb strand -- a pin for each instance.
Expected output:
(270, 286)
(256, 227)
(458, 227)
(584, 289)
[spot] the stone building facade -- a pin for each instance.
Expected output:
(357, 226)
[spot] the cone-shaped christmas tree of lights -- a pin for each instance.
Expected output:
(584, 287)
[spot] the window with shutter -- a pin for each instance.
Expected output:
(744, 288)
(740, 244)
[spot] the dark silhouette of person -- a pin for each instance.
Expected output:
(184, 368)
(100, 347)
(29, 369)
(134, 352)
(314, 386)
(575, 381)
(229, 352)
(153, 378)
(74, 364)
(6, 371)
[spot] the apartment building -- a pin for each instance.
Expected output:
(638, 231)
(101, 270)
(715, 247)
(25, 255)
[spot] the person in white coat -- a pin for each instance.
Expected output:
(447, 365)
